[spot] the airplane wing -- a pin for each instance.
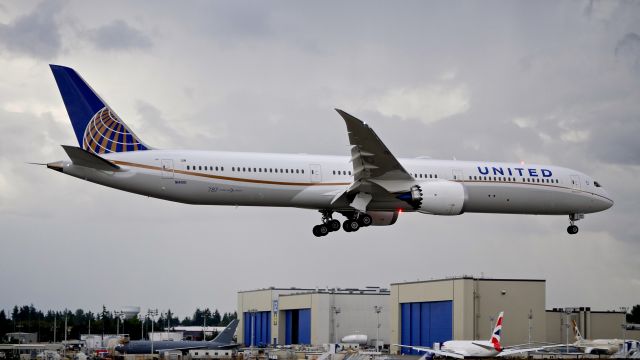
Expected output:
(376, 171)
(183, 348)
(514, 351)
(433, 351)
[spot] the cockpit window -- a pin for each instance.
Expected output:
(597, 184)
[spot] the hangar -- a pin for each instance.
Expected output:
(417, 313)
(311, 316)
(426, 312)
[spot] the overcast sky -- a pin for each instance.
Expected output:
(554, 82)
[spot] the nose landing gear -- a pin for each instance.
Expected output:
(573, 229)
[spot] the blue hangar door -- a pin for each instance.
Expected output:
(297, 326)
(261, 328)
(425, 323)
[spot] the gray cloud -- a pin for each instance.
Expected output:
(628, 49)
(35, 34)
(118, 35)
(542, 83)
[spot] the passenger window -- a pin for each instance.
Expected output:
(187, 167)
(334, 172)
(297, 171)
(302, 171)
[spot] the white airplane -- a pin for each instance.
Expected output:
(460, 349)
(595, 346)
(370, 187)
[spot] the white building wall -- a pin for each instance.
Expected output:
(357, 316)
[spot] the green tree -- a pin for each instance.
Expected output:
(634, 316)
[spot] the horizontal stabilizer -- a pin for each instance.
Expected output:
(84, 158)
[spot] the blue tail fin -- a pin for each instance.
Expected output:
(97, 127)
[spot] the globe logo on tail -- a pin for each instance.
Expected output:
(106, 133)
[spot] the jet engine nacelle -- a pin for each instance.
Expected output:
(441, 197)
(383, 218)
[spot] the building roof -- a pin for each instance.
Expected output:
(277, 289)
(370, 290)
(466, 277)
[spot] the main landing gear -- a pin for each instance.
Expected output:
(328, 224)
(353, 223)
(573, 229)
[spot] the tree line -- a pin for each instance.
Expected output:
(51, 323)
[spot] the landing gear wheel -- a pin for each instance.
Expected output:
(572, 229)
(333, 225)
(365, 220)
(350, 225)
(320, 230)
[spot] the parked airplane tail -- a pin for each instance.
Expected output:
(226, 336)
(97, 127)
(497, 330)
(576, 331)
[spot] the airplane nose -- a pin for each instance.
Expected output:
(605, 202)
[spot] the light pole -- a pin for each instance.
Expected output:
(336, 311)
(117, 315)
(624, 310)
(567, 313)
(168, 323)
(530, 317)
(204, 326)
(253, 324)
(377, 309)
(142, 319)
(152, 314)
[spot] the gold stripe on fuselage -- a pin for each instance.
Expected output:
(227, 178)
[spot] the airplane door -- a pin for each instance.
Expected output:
(167, 168)
(575, 182)
(457, 174)
(315, 172)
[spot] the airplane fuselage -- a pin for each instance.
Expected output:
(315, 181)
(470, 348)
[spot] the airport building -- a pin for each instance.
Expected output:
(418, 313)
(591, 324)
(463, 308)
(312, 316)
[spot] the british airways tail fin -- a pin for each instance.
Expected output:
(497, 332)
(226, 336)
(98, 129)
